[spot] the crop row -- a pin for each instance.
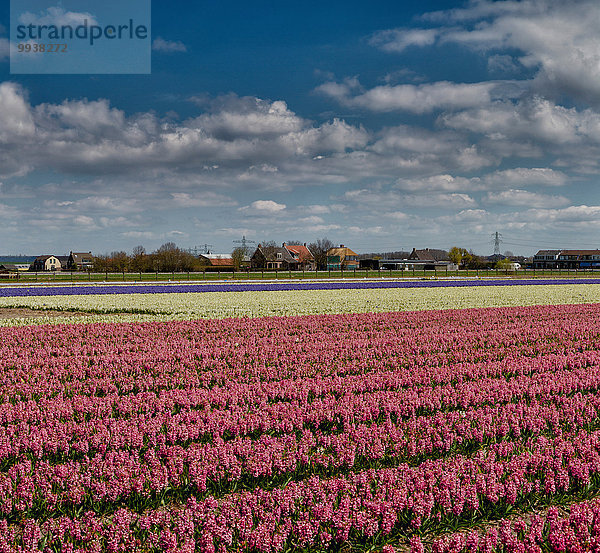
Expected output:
(577, 531)
(135, 467)
(365, 507)
(136, 307)
(269, 434)
(92, 289)
(415, 347)
(57, 425)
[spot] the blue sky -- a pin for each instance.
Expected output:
(380, 125)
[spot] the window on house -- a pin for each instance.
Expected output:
(278, 255)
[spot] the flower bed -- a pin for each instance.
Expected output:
(96, 289)
(147, 307)
(317, 432)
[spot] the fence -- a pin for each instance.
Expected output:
(272, 274)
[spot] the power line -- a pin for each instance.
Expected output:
(203, 249)
(244, 242)
(496, 239)
(552, 245)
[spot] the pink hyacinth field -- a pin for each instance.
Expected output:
(474, 430)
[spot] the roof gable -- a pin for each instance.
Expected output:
(80, 256)
(221, 262)
(429, 255)
(342, 252)
(302, 252)
(271, 254)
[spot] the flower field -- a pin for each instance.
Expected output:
(273, 286)
(439, 430)
(161, 306)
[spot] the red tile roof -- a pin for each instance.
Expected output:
(302, 252)
(221, 262)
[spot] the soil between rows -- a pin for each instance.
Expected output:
(25, 313)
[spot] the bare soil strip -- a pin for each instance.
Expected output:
(25, 313)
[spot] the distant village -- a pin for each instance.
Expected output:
(295, 256)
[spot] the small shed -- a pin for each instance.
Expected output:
(9, 270)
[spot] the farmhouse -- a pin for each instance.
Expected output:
(47, 263)
(306, 260)
(429, 255)
(429, 259)
(342, 258)
(273, 257)
(81, 261)
(65, 262)
(417, 260)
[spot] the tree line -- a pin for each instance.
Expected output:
(169, 258)
(166, 259)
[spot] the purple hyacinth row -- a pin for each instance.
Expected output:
(273, 286)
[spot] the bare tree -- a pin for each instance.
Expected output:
(119, 261)
(166, 257)
(237, 256)
(268, 248)
(319, 250)
(140, 262)
(170, 258)
(101, 263)
(138, 251)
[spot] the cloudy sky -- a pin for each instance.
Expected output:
(380, 125)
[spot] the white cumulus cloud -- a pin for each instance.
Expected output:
(515, 197)
(421, 98)
(262, 207)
